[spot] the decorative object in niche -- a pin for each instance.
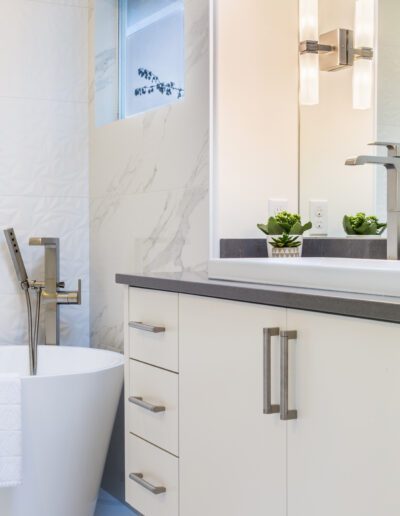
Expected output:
(152, 37)
(361, 225)
(165, 88)
(336, 50)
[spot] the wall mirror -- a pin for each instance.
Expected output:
(269, 143)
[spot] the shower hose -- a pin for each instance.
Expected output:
(33, 325)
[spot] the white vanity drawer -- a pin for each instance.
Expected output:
(153, 321)
(146, 418)
(158, 469)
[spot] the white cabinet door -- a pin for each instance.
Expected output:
(344, 449)
(232, 455)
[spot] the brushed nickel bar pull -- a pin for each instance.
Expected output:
(138, 478)
(268, 333)
(144, 404)
(286, 414)
(146, 327)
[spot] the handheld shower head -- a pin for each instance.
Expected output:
(16, 257)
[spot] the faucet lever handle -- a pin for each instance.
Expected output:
(45, 241)
(392, 147)
(70, 297)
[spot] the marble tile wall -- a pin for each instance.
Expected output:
(149, 188)
(44, 151)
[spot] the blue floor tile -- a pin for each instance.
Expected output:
(109, 506)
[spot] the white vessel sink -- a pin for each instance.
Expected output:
(379, 277)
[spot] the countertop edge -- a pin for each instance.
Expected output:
(365, 308)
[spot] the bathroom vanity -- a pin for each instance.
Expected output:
(254, 399)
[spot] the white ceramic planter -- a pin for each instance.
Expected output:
(284, 252)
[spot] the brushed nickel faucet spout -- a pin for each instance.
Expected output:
(52, 296)
(392, 164)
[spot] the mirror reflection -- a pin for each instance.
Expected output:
(287, 116)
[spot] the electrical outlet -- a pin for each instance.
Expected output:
(319, 217)
(276, 206)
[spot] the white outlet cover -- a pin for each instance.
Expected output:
(276, 206)
(319, 217)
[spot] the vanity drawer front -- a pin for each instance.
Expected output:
(159, 390)
(153, 321)
(160, 470)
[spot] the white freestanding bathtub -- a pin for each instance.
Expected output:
(68, 412)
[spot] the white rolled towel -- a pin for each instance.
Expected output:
(10, 431)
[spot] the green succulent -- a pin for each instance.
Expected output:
(360, 224)
(284, 222)
(285, 241)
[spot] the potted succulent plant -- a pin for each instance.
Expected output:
(284, 235)
(360, 225)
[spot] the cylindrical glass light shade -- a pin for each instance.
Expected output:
(308, 19)
(309, 79)
(363, 72)
(309, 63)
(364, 25)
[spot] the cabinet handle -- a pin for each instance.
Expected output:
(286, 414)
(138, 478)
(144, 404)
(147, 327)
(268, 334)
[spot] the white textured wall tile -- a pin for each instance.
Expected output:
(66, 218)
(13, 319)
(44, 153)
(43, 148)
(46, 51)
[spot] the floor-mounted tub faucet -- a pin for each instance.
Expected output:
(52, 296)
(392, 164)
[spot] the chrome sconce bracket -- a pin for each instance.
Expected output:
(336, 49)
(314, 47)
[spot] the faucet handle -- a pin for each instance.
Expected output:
(393, 148)
(70, 297)
(45, 241)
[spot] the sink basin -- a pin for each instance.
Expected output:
(378, 277)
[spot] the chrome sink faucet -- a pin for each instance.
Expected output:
(51, 295)
(392, 164)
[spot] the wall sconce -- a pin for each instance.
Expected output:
(336, 50)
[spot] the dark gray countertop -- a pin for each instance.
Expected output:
(380, 308)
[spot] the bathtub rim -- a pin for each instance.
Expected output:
(118, 361)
